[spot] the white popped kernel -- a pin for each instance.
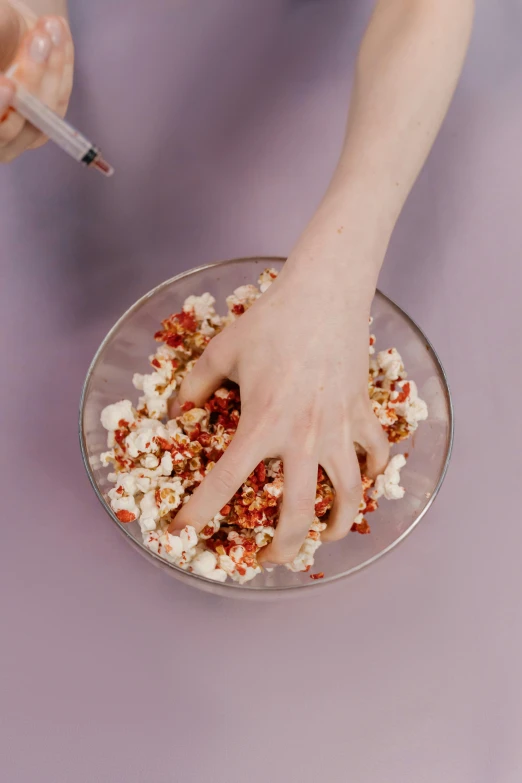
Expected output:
(176, 546)
(202, 306)
(237, 553)
(167, 464)
(217, 575)
(227, 564)
(119, 411)
(412, 409)
(388, 483)
(189, 537)
(390, 362)
(204, 563)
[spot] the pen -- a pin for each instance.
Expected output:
(61, 132)
(51, 124)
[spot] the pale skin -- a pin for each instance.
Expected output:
(300, 354)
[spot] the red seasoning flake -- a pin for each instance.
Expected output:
(320, 575)
(187, 406)
(238, 309)
(404, 394)
(187, 321)
(125, 516)
(362, 527)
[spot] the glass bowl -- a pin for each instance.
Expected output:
(125, 351)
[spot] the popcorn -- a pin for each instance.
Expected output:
(112, 415)
(157, 464)
(388, 483)
(390, 362)
(266, 279)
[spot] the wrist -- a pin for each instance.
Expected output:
(344, 243)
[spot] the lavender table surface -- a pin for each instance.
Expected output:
(223, 139)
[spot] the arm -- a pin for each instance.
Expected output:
(300, 354)
(35, 38)
(407, 70)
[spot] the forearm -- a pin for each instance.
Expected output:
(407, 70)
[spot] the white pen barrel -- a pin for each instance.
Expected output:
(50, 124)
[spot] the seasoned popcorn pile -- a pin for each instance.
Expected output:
(157, 463)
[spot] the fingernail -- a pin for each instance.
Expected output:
(54, 28)
(40, 48)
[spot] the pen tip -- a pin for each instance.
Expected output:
(102, 165)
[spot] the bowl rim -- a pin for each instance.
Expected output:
(233, 586)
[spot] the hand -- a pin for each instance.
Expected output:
(41, 52)
(300, 356)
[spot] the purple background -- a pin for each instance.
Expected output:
(224, 118)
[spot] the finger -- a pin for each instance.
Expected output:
(28, 69)
(51, 82)
(220, 485)
(372, 438)
(345, 476)
(202, 381)
(67, 73)
(12, 29)
(63, 78)
(297, 512)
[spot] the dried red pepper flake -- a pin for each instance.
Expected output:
(225, 511)
(188, 406)
(322, 507)
(155, 363)
(404, 394)
(157, 497)
(125, 516)
(361, 527)
(174, 340)
(238, 309)
(319, 575)
(187, 320)
(260, 473)
(207, 530)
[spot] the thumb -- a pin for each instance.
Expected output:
(200, 383)
(13, 26)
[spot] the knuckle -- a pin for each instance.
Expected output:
(225, 481)
(212, 357)
(303, 506)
